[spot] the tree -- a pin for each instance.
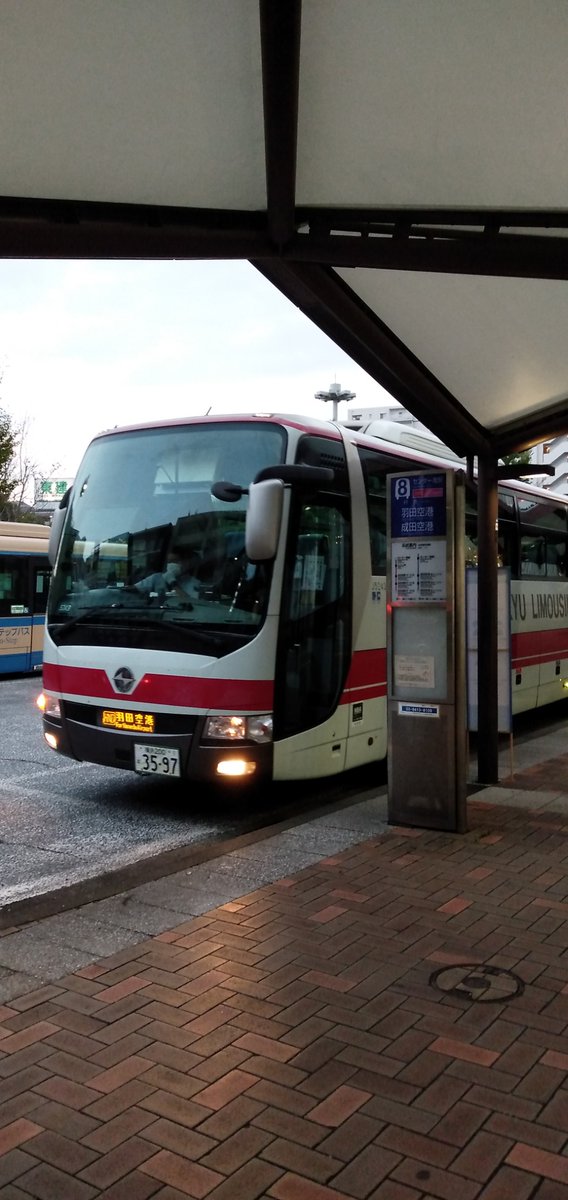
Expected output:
(8, 450)
(517, 460)
(18, 471)
(26, 472)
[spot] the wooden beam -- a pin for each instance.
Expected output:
(450, 252)
(487, 622)
(280, 25)
(60, 229)
(520, 433)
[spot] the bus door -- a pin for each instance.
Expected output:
(39, 576)
(315, 629)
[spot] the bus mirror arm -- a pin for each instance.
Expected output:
(229, 492)
(57, 527)
(264, 512)
(294, 474)
(297, 475)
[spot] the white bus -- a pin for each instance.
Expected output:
(273, 665)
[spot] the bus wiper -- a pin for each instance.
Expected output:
(189, 632)
(142, 619)
(84, 617)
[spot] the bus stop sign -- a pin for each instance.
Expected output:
(426, 702)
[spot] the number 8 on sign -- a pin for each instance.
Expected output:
(402, 489)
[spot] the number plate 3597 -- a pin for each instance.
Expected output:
(156, 760)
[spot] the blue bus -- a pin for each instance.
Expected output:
(24, 583)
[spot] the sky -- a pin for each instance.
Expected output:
(85, 346)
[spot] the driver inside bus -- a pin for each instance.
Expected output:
(178, 576)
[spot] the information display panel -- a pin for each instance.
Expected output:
(420, 653)
(426, 649)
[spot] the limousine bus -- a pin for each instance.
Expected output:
(274, 664)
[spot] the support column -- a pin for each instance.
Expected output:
(488, 723)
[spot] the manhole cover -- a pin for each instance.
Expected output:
(483, 984)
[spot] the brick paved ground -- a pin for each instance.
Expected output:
(291, 1044)
(542, 775)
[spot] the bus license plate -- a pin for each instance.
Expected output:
(156, 760)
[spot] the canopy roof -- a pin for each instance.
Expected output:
(398, 170)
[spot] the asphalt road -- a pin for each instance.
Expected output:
(64, 823)
(67, 825)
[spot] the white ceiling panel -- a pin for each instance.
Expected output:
(500, 345)
(132, 101)
(433, 102)
(403, 158)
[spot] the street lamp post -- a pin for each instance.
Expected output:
(334, 394)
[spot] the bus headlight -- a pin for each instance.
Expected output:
(259, 729)
(235, 768)
(230, 728)
(49, 706)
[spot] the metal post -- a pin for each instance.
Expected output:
(460, 654)
(488, 724)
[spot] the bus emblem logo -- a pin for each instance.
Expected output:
(123, 680)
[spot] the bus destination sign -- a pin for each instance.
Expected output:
(418, 506)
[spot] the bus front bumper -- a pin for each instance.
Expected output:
(176, 755)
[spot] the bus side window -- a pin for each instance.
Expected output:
(506, 532)
(313, 651)
(13, 584)
(374, 475)
(506, 545)
(41, 576)
(544, 537)
(533, 560)
(471, 553)
(555, 556)
(378, 540)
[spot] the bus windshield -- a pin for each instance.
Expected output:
(148, 556)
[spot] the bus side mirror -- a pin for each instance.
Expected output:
(264, 517)
(57, 527)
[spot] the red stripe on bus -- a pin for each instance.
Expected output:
(367, 667)
(367, 677)
(370, 693)
(176, 690)
(539, 646)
